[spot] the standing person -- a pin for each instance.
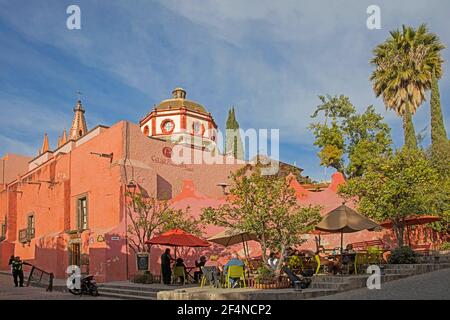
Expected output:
(166, 271)
(17, 269)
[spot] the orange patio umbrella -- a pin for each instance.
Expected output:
(178, 238)
(412, 221)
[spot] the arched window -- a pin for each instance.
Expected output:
(146, 131)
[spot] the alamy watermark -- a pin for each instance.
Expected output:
(374, 19)
(73, 22)
(74, 279)
(252, 142)
(374, 280)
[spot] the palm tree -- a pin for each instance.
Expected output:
(404, 66)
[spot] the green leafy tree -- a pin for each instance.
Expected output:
(349, 141)
(267, 207)
(398, 186)
(404, 65)
(439, 140)
(149, 217)
(233, 144)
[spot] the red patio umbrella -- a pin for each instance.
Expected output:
(178, 238)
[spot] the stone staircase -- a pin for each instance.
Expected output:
(391, 273)
(127, 292)
(131, 291)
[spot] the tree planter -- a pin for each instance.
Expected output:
(271, 284)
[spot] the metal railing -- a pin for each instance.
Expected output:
(23, 235)
(41, 278)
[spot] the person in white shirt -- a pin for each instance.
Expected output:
(273, 261)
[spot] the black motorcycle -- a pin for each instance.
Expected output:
(87, 286)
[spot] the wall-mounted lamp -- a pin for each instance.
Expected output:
(224, 187)
(104, 155)
(131, 187)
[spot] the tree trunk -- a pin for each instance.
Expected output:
(263, 249)
(280, 262)
(408, 130)
(399, 232)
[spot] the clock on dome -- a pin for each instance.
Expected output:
(167, 126)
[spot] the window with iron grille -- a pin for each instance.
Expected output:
(30, 226)
(82, 213)
(3, 235)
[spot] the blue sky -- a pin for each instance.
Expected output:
(269, 59)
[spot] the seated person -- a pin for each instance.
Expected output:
(214, 262)
(272, 261)
(180, 263)
(348, 257)
(332, 265)
(199, 264)
(349, 249)
(296, 282)
(234, 261)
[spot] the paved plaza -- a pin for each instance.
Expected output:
(9, 292)
(428, 286)
(433, 285)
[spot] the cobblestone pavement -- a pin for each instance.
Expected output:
(434, 285)
(9, 292)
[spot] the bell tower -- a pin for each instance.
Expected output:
(79, 127)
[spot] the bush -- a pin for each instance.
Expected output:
(445, 246)
(402, 255)
(294, 262)
(265, 274)
(146, 278)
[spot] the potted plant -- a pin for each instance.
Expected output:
(265, 276)
(267, 279)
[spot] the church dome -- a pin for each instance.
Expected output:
(179, 101)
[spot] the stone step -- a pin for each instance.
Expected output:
(131, 287)
(329, 285)
(314, 293)
(354, 282)
(128, 293)
(122, 296)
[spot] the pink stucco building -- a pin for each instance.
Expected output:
(67, 205)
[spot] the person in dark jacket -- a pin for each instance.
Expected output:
(166, 271)
(17, 270)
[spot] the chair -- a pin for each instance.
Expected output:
(319, 265)
(235, 272)
(178, 272)
(361, 259)
(209, 274)
(374, 255)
